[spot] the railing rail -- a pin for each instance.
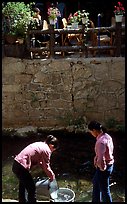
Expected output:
(84, 47)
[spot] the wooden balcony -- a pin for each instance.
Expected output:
(90, 47)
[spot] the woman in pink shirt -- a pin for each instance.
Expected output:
(37, 153)
(103, 162)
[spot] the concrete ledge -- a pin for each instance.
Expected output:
(10, 200)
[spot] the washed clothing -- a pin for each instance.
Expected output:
(104, 162)
(37, 153)
(104, 151)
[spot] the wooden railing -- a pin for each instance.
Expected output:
(84, 48)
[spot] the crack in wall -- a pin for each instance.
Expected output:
(72, 85)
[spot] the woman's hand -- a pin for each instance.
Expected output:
(95, 161)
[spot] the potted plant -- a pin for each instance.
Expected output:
(17, 18)
(119, 12)
(77, 17)
(53, 14)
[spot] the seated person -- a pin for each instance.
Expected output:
(37, 17)
(40, 25)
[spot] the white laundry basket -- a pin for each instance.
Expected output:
(64, 195)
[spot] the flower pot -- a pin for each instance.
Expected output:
(69, 27)
(75, 25)
(118, 18)
(14, 50)
(52, 22)
(10, 39)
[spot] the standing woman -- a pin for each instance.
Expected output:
(103, 161)
(35, 154)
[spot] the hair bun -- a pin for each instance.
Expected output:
(50, 137)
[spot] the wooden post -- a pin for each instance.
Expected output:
(28, 40)
(84, 41)
(118, 38)
(52, 40)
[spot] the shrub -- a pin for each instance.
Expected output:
(17, 18)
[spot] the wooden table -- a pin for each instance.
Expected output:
(70, 37)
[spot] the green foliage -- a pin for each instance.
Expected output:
(9, 132)
(17, 16)
(112, 123)
(76, 121)
(77, 16)
(9, 182)
(34, 97)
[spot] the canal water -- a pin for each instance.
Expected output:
(72, 163)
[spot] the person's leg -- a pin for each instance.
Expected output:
(22, 196)
(30, 187)
(17, 169)
(27, 190)
(96, 187)
(104, 184)
(25, 182)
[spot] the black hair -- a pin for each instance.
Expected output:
(96, 125)
(52, 140)
(36, 9)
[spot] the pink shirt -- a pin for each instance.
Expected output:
(37, 153)
(104, 151)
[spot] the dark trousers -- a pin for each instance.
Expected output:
(101, 188)
(26, 183)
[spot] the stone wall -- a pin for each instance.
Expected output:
(61, 92)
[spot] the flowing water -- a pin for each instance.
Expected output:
(72, 164)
